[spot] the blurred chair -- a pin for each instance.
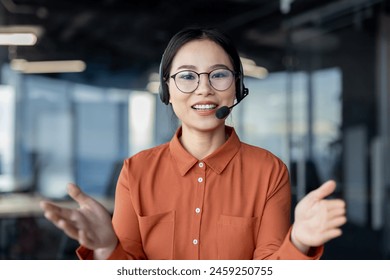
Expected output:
(111, 184)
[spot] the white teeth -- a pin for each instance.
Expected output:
(204, 106)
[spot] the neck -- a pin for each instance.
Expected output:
(200, 144)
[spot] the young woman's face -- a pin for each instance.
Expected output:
(196, 110)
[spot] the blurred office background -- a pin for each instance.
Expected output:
(317, 72)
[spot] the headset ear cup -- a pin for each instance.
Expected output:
(242, 91)
(238, 90)
(240, 85)
(163, 88)
(164, 92)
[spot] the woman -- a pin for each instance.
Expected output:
(205, 194)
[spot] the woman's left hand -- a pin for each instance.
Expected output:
(317, 219)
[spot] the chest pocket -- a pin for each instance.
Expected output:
(157, 233)
(236, 237)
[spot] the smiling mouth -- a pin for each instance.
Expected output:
(204, 107)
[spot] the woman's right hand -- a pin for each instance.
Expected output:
(90, 224)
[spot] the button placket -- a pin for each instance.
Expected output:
(200, 177)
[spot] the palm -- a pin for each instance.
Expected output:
(98, 229)
(318, 220)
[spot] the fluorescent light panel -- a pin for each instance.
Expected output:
(18, 39)
(19, 35)
(53, 66)
(252, 70)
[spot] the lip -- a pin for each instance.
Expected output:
(205, 112)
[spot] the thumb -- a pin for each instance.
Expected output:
(76, 193)
(324, 190)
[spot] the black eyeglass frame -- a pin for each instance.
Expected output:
(235, 75)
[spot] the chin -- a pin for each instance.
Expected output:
(206, 126)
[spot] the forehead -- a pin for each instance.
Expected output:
(201, 54)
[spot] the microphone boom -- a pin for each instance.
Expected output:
(224, 111)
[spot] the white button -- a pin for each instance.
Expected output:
(201, 164)
(195, 241)
(200, 179)
(197, 210)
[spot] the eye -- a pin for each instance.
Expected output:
(187, 75)
(220, 74)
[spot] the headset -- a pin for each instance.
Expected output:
(241, 90)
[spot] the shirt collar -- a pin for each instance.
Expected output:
(217, 161)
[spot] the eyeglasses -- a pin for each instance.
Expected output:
(187, 81)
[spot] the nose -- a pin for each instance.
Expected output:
(204, 86)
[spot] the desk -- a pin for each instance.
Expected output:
(19, 205)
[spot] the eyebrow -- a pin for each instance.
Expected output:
(192, 67)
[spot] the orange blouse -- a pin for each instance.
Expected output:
(233, 204)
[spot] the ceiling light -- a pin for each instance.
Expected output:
(19, 35)
(53, 66)
(154, 83)
(153, 87)
(18, 39)
(252, 70)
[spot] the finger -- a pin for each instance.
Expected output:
(52, 217)
(57, 212)
(335, 203)
(48, 206)
(331, 234)
(53, 214)
(324, 190)
(70, 216)
(83, 199)
(69, 229)
(336, 212)
(76, 193)
(336, 222)
(55, 217)
(74, 224)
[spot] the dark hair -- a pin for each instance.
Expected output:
(194, 33)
